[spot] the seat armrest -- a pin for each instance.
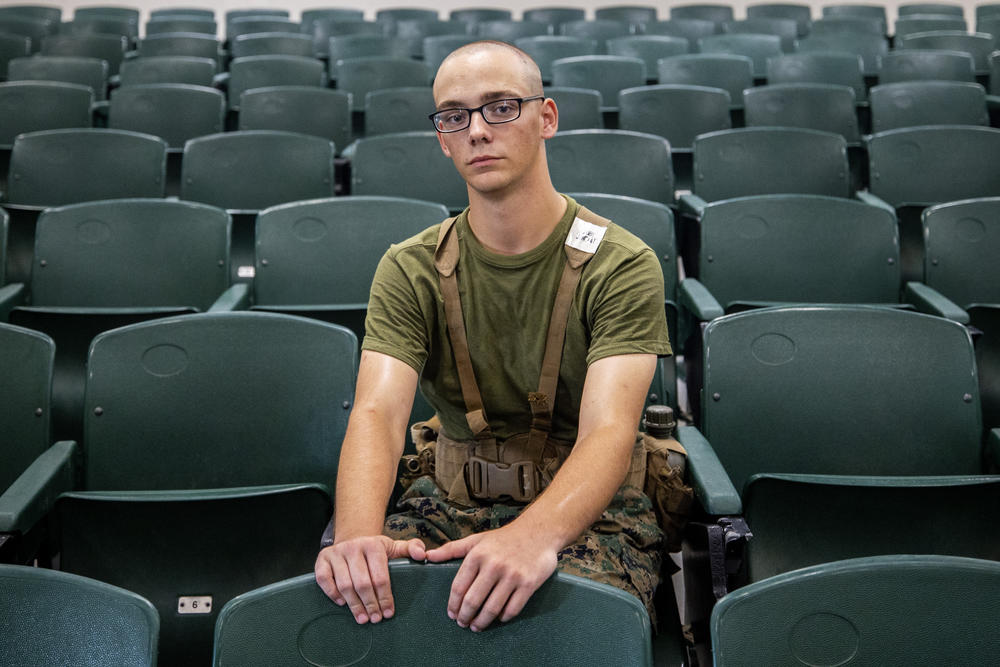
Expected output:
(993, 448)
(873, 200)
(99, 112)
(691, 205)
(34, 493)
(710, 481)
(237, 297)
(928, 300)
(694, 296)
(11, 296)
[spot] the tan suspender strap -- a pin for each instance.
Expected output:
(445, 261)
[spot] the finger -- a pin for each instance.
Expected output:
(363, 586)
(455, 549)
(493, 606)
(414, 549)
(325, 579)
(344, 582)
(477, 593)
(516, 603)
(466, 574)
(378, 572)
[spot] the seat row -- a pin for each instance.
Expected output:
(852, 431)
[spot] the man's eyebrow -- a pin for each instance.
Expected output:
(483, 99)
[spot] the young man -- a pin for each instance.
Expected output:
(512, 247)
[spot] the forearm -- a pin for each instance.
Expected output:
(583, 487)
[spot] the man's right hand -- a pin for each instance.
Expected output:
(355, 572)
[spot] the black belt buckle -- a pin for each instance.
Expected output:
(492, 480)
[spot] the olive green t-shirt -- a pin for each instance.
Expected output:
(618, 308)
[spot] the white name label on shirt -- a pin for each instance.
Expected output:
(585, 236)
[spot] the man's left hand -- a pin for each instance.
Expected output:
(501, 571)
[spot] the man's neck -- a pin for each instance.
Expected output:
(517, 222)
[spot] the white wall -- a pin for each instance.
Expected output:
(444, 6)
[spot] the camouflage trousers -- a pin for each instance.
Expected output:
(623, 548)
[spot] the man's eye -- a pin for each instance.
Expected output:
(454, 118)
(503, 107)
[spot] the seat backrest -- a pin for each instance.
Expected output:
(49, 13)
(253, 169)
(309, 625)
(978, 45)
(799, 248)
(131, 253)
(12, 46)
(869, 45)
(310, 16)
(180, 23)
(605, 74)
(509, 31)
(155, 109)
(554, 16)
(30, 106)
(579, 108)
(689, 29)
(878, 610)
(962, 240)
(770, 160)
(248, 25)
(754, 46)
(25, 393)
(833, 23)
(544, 49)
(599, 30)
(359, 76)
(649, 49)
(326, 251)
(55, 167)
(865, 11)
(407, 164)
(96, 624)
(34, 29)
(815, 106)
(273, 44)
(341, 47)
(393, 14)
(604, 161)
(436, 48)
(110, 48)
(931, 164)
(926, 64)
(191, 70)
(856, 516)
(480, 15)
(678, 113)
(800, 13)
(262, 71)
(786, 29)
(180, 44)
(843, 390)
(217, 400)
(730, 72)
(399, 110)
(842, 69)
(634, 15)
(319, 112)
(911, 24)
(102, 24)
(911, 103)
(717, 13)
(924, 8)
(412, 34)
(233, 14)
(90, 72)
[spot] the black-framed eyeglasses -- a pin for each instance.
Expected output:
(494, 113)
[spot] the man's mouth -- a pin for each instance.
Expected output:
(482, 159)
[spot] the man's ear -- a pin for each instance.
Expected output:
(444, 148)
(550, 118)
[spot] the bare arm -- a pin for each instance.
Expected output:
(354, 571)
(504, 567)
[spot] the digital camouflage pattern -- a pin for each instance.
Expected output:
(623, 548)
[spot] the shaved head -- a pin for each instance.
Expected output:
(492, 54)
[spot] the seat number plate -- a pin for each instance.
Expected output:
(194, 604)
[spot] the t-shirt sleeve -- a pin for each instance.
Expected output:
(628, 314)
(395, 324)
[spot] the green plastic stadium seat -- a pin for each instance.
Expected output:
(180, 44)
(599, 30)
(510, 31)
(871, 11)
(249, 25)
(407, 164)
(180, 23)
(411, 33)
(30, 106)
(869, 45)
(293, 622)
(911, 103)
(398, 110)
(754, 46)
(12, 46)
(910, 8)
(99, 11)
(816, 106)
(832, 24)
(678, 113)
(174, 112)
(394, 14)
(188, 70)
(690, 29)
(100, 265)
(635, 15)
(913, 23)
(110, 48)
(579, 108)
(90, 72)
(203, 12)
(877, 610)
(801, 14)
(49, 13)
(480, 15)
(730, 72)
(319, 112)
(272, 44)
(34, 29)
(770, 160)
(343, 47)
(603, 161)
(359, 76)
(54, 618)
(233, 14)
(554, 16)
(102, 24)
(978, 45)
(544, 49)
(435, 48)
(264, 71)
(649, 49)
(605, 74)
(331, 14)
(207, 508)
(717, 13)
(841, 69)
(786, 29)
(926, 64)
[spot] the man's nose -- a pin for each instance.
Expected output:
(478, 127)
